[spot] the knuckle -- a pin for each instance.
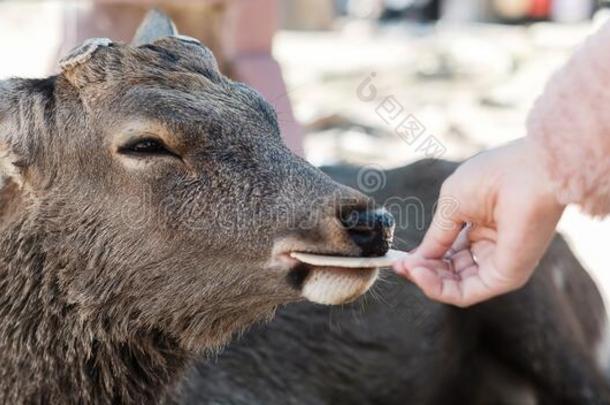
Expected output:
(521, 281)
(514, 281)
(448, 186)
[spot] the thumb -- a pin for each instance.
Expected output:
(444, 229)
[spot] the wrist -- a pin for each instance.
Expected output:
(535, 154)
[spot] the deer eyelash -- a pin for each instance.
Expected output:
(146, 147)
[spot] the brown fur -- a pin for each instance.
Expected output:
(114, 270)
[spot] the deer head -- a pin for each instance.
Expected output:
(163, 197)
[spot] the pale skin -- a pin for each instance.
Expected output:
(495, 219)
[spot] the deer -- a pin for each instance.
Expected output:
(148, 210)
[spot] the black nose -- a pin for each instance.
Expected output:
(371, 230)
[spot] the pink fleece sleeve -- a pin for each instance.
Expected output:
(570, 122)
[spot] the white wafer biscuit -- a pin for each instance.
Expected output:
(350, 262)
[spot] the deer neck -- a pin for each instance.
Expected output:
(50, 354)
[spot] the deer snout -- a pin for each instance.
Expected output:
(370, 230)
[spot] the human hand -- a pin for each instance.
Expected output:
(495, 219)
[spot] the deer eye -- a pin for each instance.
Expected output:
(146, 147)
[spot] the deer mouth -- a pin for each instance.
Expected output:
(329, 283)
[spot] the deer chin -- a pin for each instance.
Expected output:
(336, 285)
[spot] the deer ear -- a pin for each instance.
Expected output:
(156, 25)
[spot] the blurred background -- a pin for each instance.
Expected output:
(368, 82)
